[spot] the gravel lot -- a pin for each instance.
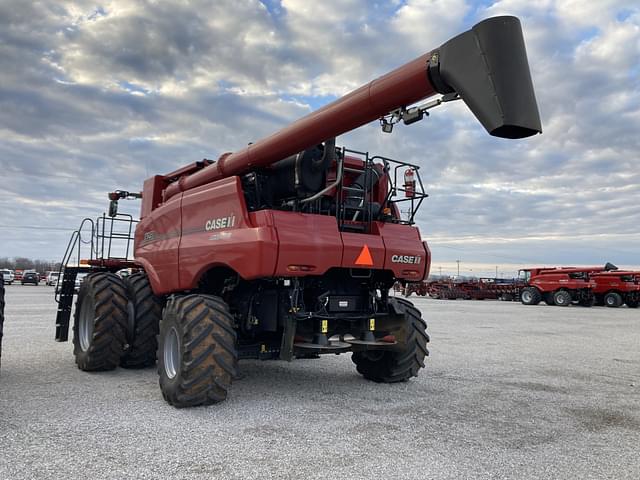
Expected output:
(509, 392)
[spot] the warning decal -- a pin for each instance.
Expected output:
(364, 258)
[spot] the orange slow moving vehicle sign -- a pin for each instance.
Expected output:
(364, 258)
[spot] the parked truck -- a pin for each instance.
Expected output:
(287, 248)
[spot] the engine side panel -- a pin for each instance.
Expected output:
(406, 255)
(309, 241)
(157, 241)
(217, 231)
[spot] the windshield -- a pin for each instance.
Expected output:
(524, 275)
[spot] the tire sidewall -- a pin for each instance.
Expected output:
(108, 322)
(84, 295)
(169, 320)
(562, 298)
(612, 300)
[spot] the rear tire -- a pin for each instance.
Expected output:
(197, 356)
(100, 322)
(547, 297)
(562, 298)
(589, 302)
(385, 366)
(633, 303)
(530, 296)
(145, 324)
(613, 300)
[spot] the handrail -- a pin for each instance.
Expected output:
(99, 236)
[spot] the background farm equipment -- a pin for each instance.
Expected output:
(476, 289)
(556, 286)
(617, 288)
(584, 286)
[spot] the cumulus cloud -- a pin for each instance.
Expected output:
(99, 96)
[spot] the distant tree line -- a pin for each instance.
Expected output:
(23, 263)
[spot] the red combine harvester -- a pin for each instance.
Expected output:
(616, 288)
(560, 286)
(288, 247)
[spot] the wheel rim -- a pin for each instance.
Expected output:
(526, 296)
(171, 350)
(86, 324)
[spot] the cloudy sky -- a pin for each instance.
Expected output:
(96, 96)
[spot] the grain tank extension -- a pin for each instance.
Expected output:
(288, 248)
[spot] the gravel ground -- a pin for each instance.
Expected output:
(509, 392)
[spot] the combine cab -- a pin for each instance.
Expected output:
(288, 247)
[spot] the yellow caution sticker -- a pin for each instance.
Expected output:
(372, 324)
(324, 327)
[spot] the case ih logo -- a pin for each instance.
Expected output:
(218, 223)
(412, 259)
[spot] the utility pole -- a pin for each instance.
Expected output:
(458, 261)
(440, 268)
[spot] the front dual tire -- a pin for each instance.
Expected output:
(101, 319)
(530, 296)
(117, 323)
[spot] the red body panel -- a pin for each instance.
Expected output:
(217, 230)
(156, 245)
(550, 282)
(613, 282)
(354, 244)
(152, 194)
(404, 240)
(311, 241)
